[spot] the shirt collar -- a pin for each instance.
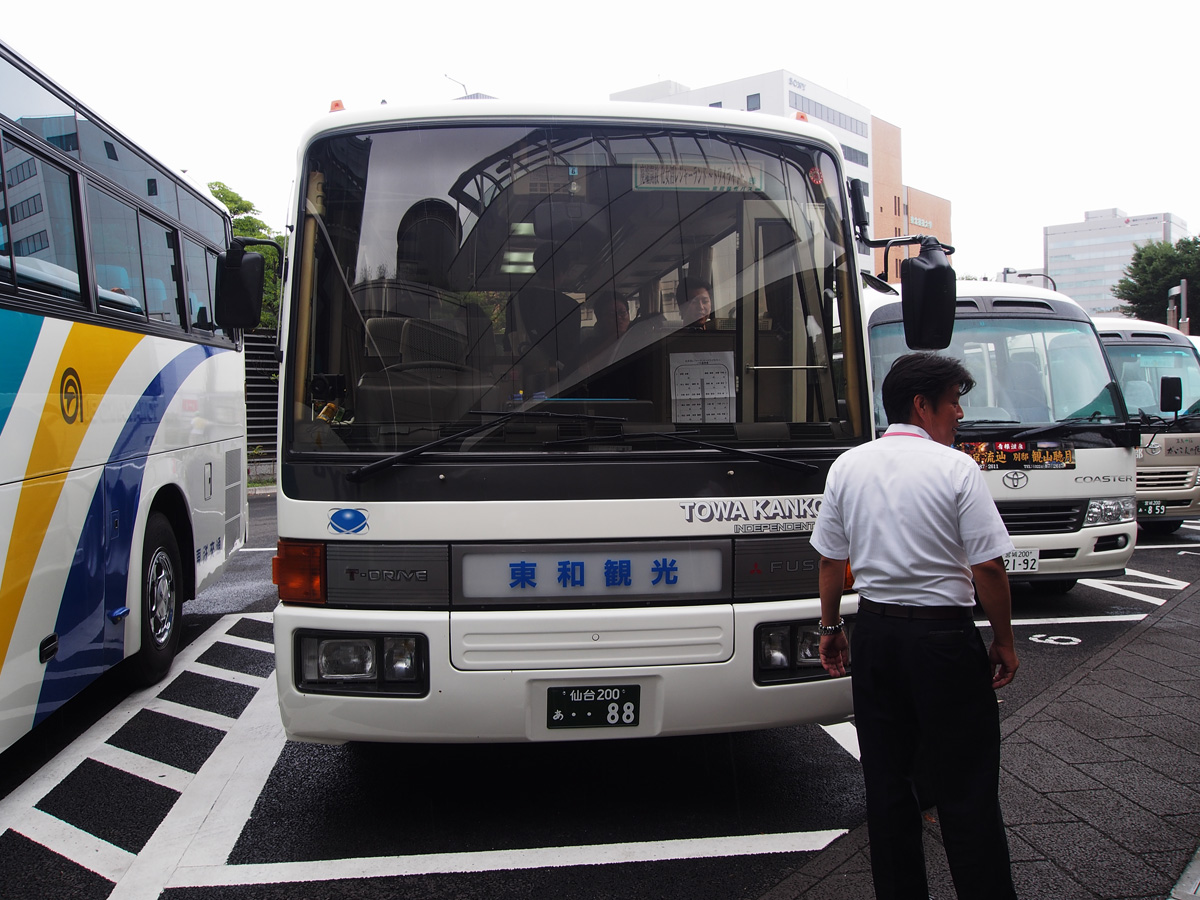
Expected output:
(904, 428)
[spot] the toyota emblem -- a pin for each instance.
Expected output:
(1015, 480)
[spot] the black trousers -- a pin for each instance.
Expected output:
(925, 685)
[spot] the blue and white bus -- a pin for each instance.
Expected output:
(122, 412)
(560, 389)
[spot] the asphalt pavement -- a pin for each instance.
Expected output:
(1100, 781)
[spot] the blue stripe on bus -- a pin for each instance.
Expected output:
(89, 642)
(21, 332)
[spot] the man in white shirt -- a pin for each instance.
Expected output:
(923, 538)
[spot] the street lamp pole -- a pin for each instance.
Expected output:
(1053, 285)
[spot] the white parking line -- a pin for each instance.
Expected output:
(1149, 581)
(192, 843)
(501, 860)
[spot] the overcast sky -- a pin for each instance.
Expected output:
(1021, 114)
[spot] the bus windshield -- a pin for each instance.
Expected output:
(632, 280)
(1027, 371)
(1140, 370)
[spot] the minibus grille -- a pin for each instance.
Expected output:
(1165, 479)
(1042, 518)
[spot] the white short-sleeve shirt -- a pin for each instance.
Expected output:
(912, 516)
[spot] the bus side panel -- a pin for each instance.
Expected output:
(73, 537)
(82, 625)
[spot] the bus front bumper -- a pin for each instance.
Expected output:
(497, 702)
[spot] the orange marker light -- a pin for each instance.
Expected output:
(336, 106)
(299, 571)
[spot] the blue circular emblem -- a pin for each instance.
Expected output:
(348, 521)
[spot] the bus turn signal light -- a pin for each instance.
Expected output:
(299, 571)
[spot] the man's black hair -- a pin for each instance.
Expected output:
(926, 375)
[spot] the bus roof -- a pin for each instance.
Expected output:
(1120, 330)
(45, 83)
(984, 298)
(518, 112)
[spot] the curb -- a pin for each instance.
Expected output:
(1188, 886)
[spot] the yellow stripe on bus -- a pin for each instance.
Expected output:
(91, 358)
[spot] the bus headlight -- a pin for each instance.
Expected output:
(399, 659)
(340, 659)
(789, 652)
(341, 663)
(1109, 511)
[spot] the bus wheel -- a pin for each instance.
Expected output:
(1059, 586)
(161, 602)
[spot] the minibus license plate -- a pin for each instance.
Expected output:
(594, 706)
(1151, 508)
(1018, 561)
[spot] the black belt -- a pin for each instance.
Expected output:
(914, 612)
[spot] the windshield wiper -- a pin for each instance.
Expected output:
(388, 461)
(967, 423)
(1064, 425)
(681, 437)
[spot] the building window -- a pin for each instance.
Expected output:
(110, 150)
(31, 245)
(716, 105)
(26, 208)
(23, 172)
(896, 205)
(753, 102)
(826, 114)
(855, 156)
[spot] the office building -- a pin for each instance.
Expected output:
(1086, 259)
(871, 148)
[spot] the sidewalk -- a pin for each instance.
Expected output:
(1100, 784)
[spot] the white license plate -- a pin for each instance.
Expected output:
(598, 706)
(1018, 562)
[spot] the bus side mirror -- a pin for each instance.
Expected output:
(240, 279)
(858, 205)
(929, 297)
(1171, 393)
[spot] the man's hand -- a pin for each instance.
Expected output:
(1004, 662)
(835, 653)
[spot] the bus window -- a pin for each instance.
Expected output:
(118, 264)
(158, 263)
(42, 220)
(199, 287)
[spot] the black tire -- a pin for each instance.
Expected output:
(1160, 526)
(1060, 586)
(160, 605)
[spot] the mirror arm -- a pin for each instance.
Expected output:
(237, 249)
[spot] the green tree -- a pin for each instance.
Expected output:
(247, 224)
(1157, 267)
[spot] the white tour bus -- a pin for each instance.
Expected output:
(122, 418)
(1045, 422)
(559, 392)
(1168, 461)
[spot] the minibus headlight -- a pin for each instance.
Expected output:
(1109, 511)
